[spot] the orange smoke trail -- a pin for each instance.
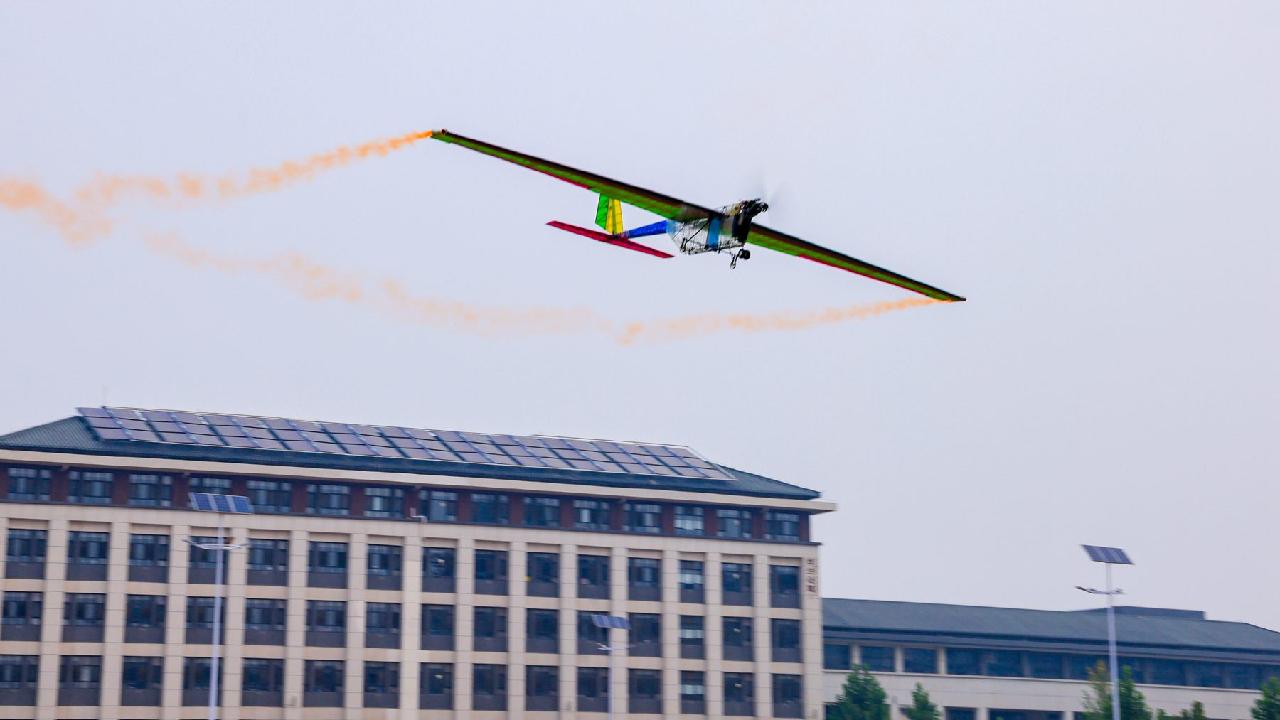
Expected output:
(83, 219)
(315, 281)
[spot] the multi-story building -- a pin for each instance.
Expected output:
(390, 572)
(985, 663)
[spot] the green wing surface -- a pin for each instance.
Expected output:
(791, 245)
(656, 203)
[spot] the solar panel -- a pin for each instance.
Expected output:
(215, 502)
(1109, 555)
(422, 445)
(610, 622)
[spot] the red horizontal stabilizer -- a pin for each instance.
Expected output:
(607, 238)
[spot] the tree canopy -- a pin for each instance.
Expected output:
(922, 708)
(1267, 707)
(861, 698)
(1097, 700)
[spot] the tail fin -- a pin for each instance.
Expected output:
(609, 215)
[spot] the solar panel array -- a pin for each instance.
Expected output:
(388, 441)
(213, 502)
(1109, 555)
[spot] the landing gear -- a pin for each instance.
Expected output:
(743, 254)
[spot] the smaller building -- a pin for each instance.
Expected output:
(987, 663)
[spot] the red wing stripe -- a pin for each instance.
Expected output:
(608, 239)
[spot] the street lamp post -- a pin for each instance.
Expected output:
(607, 623)
(1109, 556)
(219, 504)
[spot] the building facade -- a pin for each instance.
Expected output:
(983, 663)
(392, 572)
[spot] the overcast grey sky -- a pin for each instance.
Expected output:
(1099, 178)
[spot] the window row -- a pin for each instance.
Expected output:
(262, 685)
(1046, 665)
(88, 487)
(328, 566)
(265, 623)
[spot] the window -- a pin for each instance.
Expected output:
(836, 656)
(19, 672)
(145, 611)
(80, 671)
(544, 574)
(200, 617)
(328, 557)
(87, 548)
(543, 631)
(382, 678)
(264, 614)
(962, 662)
(645, 635)
(644, 691)
(737, 638)
(384, 560)
(489, 629)
(787, 694)
(268, 554)
(877, 659)
(1243, 677)
(591, 514)
(692, 636)
(1207, 674)
(593, 689)
(692, 581)
(491, 572)
(736, 583)
(196, 676)
(784, 586)
(148, 550)
(141, 673)
(27, 546)
(270, 496)
(541, 512)
(925, 660)
(739, 694)
(956, 713)
(693, 692)
(327, 616)
(593, 576)
(1006, 663)
(22, 610)
(215, 485)
(383, 502)
(199, 557)
(435, 684)
(329, 499)
(262, 676)
(89, 488)
(785, 640)
(782, 525)
(438, 505)
(489, 687)
(439, 569)
(590, 638)
(1043, 665)
(323, 678)
(642, 517)
(1136, 667)
(690, 520)
(1078, 666)
(644, 578)
(734, 523)
(542, 687)
(382, 618)
(489, 508)
(437, 627)
(1163, 672)
(29, 483)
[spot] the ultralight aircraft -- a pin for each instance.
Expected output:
(693, 229)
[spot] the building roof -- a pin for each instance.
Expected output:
(1138, 629)
(77, 435)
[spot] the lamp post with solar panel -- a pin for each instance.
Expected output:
(1109, 556)
(607, 623)
(219, 504)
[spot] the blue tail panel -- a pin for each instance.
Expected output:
(658, 228)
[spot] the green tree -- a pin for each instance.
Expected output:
(1195, 713)
(861, 698)
(922, 708)
(1097, 701)
(1268, 706)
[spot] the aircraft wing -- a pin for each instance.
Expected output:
(656, 203)
(791, 245)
